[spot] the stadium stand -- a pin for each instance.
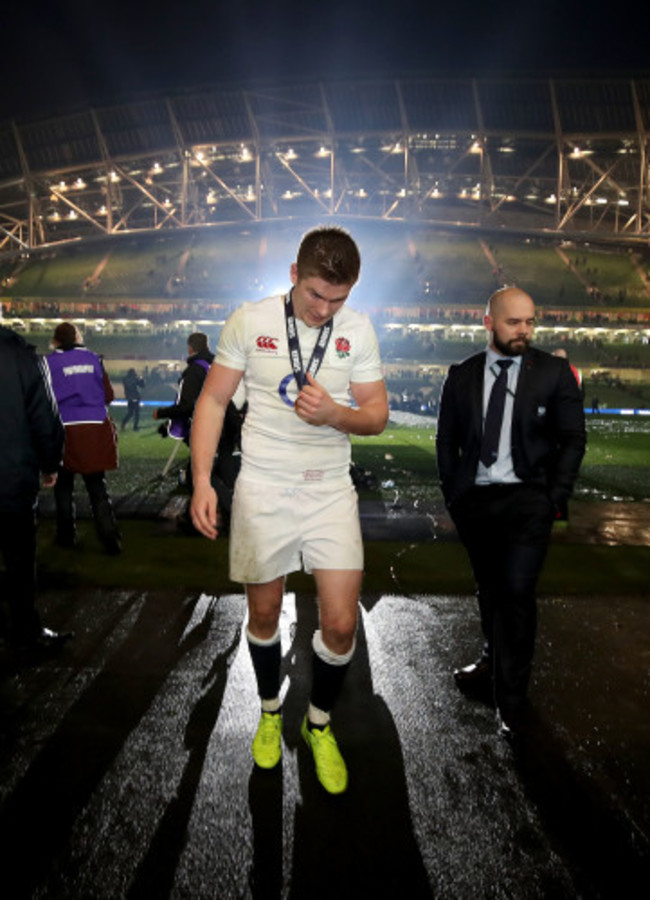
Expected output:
(148, 218)
(562, 155)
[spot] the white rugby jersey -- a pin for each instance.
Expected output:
(276, 444)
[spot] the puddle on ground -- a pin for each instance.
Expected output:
(611, 520)
(613, 523)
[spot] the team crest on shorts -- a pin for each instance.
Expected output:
(266, 343)
(342, 346)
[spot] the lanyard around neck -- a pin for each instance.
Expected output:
(295, 355)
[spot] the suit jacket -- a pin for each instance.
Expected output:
(548, 426)
(31, 429)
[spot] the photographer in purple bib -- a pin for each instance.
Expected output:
(83, 392)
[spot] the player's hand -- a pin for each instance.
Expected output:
(49, 479)
(203, 510)
(314, 405)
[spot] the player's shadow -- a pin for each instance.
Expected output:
(265, 795)
(157, 870)
(360, 843)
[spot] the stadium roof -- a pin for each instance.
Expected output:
(561, 156)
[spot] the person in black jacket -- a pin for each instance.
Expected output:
(32, 443)
(190, 384)
(505, 480)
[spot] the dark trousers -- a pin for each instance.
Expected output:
(133, 412)
(100, 503)
(225, 469)
(224, 475)
(506, 530)
(18, 546)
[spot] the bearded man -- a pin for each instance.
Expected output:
(510, 439)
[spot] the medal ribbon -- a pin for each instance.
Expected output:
(295, 355)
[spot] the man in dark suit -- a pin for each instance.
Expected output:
(32, 443)
(507, 466)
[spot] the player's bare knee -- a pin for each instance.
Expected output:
(263, 617)
(338, 635)
(263, 621)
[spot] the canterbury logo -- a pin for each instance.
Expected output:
(267, 343)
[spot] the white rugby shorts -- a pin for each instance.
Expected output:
(275, 529)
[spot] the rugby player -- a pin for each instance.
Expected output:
(302, 357)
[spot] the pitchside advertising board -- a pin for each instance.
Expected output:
(603, 411)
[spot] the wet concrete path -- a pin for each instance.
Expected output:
(126, 771)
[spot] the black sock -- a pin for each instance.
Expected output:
(327, 681)
(266, 659)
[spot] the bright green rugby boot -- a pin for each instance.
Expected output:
(331, 770)
(267, 743)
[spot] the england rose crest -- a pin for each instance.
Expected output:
(342, 347)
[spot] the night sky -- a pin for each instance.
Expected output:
(58, 55)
